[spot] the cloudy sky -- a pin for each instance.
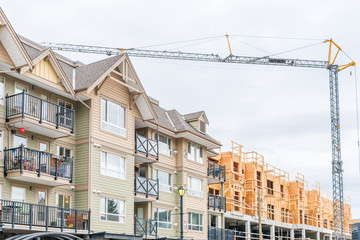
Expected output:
(280, 112)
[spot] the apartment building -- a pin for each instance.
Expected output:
(288, 208)
(85, 150)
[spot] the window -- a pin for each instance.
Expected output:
(2, 90)
(202, 126)
(113, 165)
(195, 222)
(199, 154)
(18, 194)
(1, 143)
(112, 210)
(63, 201)
(195, 187)
(18, 140)
(63, 151)
(270, 187)
(282, 191)
(164, 180)
(163, 217)
(113, 117)
(65, 113)
(164, 144)
(191, 151)
(19, 88)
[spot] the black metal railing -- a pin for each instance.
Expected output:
(22, 158)
(216, 202)
(146, 145)
(146, 227)
(22, 104)
(216, 170)
(146, 186)
(220, 233)
(19, 213)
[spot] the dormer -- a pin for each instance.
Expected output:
(197, 120)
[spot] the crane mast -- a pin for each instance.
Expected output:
(337, 169)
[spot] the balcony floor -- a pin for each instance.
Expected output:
(141, 158)
(31, 176)
(33, 125)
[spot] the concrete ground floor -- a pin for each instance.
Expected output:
(247, 227)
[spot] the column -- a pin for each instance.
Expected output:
(317, 235)
(303, 233)
(292, 234)
(248, 230)
(272, 232)
(330, 236)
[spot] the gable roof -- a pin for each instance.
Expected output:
(12, 41)
(195, 116)
(175, 122)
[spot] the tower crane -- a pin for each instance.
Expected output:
(337, 164)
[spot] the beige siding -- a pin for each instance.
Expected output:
(45, 70)
(4, 56)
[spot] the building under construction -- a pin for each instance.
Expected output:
(256, 191)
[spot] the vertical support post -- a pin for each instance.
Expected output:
(21, 158)
(23, 104)
(7, 107)
(5, 162)
(12, 214)
(72, 120)
(147, 187)
(56, 165)
(157, 149)
(71, 169)
(147, 147)
(30, 216)
(157, 188)
(259, 214)
(146, 227)
(76, 220)
(317, 235)
(89, 221)
(39, 164)
(303, 233)
(62, 219)
(41, 110)
(247, 230)
(135, 188)
(337, 170)
(46, 218)
(57, 116)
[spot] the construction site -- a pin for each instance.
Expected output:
(259, 194)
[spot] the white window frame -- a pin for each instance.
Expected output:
(122, 175)
(2, 93)
(167, 187)
(122, 216)
(195, 192)
(20, 137)
(191, 225)
(199, 150)
(12, 192)
(156, 216)
(168, 150)
(65, 148)
(121, 129)
(191, 155)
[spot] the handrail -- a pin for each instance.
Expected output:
(147, 227)
(146, 145)
(20, 213)
(220, 233)
(216, 202)
(146, 186)
(26, 104)
(23, 158)
(216, 170)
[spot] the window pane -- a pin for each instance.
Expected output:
(112, 206)
(114, 113)
(18, 194)
(18, 140)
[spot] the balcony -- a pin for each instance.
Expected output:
(25, 164)
(146, 189)
(145, 227)
(17, 214)
(217, 203)
(38, 115)
(220, 233)
(216, 173)
(146, 149)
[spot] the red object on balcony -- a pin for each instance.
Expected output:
(22, 130)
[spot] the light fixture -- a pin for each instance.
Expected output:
(181, 191)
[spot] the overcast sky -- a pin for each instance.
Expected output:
(282, 113)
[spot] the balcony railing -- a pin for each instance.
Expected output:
(146, 227)
(19, 213)
(147, 146)
(147, 186)
(22, 158)
(220, 233)
(216, 202)
(216, 170)
(22, 104)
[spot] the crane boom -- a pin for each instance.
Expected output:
(337, 169)
(187, 56)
